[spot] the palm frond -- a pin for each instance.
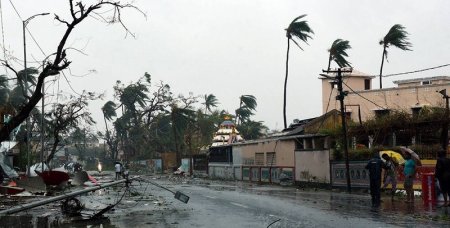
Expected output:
(397, 37)
(249, 101)
(338, 52)
(109, 110)
(300, 30)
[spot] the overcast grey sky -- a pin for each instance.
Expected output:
(234, 47)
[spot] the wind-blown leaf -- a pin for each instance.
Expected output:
(338, 52)
(300, 30)
(109, 110)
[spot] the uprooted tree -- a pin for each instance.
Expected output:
(58, 61)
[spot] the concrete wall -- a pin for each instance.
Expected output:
(398, 98)
(221, 171)
(312, 166)
(237, 155)
(284, 150)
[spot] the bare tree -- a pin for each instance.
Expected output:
(78, 12)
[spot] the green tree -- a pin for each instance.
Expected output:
(338, 52)
(397, 37)
(4, 90)
(210, 101)
(300, 30)
(140, 115)
(109, 111)
(247, 104)
(252, 129)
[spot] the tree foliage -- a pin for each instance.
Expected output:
(338, 53)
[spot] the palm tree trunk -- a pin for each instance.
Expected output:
(238, 121)
(285, 84)
(381, 68)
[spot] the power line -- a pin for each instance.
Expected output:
(34, 40)
(407, 72)
(416, 71)
(70, 85)
(328, 105)
(363, 96)
(17, 12)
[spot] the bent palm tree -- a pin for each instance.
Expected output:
(247, 104)
(210, 101)
(397, 37)
(338, 53)
(300, 30)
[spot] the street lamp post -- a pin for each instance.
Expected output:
(28, 137)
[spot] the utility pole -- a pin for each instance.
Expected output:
(341, 95)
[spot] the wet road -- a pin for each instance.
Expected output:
(236, 204)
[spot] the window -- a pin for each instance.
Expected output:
(382, 113)
(259, 158)
(348, 115)
(367, 84)
(426, 82)
(271, 158)
(319, 143)
(299, 144)
(308, 144)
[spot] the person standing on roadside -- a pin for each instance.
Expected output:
(118, 169)
(409, 171)
(390, 174)
(374, 166)
(442, 173)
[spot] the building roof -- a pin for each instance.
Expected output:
(412, 80)
(354, 73)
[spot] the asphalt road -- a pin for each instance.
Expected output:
(234, 204)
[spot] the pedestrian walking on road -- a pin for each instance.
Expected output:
(442, 173)
(390, 171)
(409, 171)
(374, 166)
(118, 168)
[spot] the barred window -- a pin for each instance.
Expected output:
(271, 158)
(259, 158)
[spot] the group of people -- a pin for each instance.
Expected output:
(390, 165)
(121, 170)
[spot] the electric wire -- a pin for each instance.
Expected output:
(415, 71)
(363, 96)
(17, 12)
(328, 105)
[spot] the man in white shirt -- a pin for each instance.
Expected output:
(118, 168)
